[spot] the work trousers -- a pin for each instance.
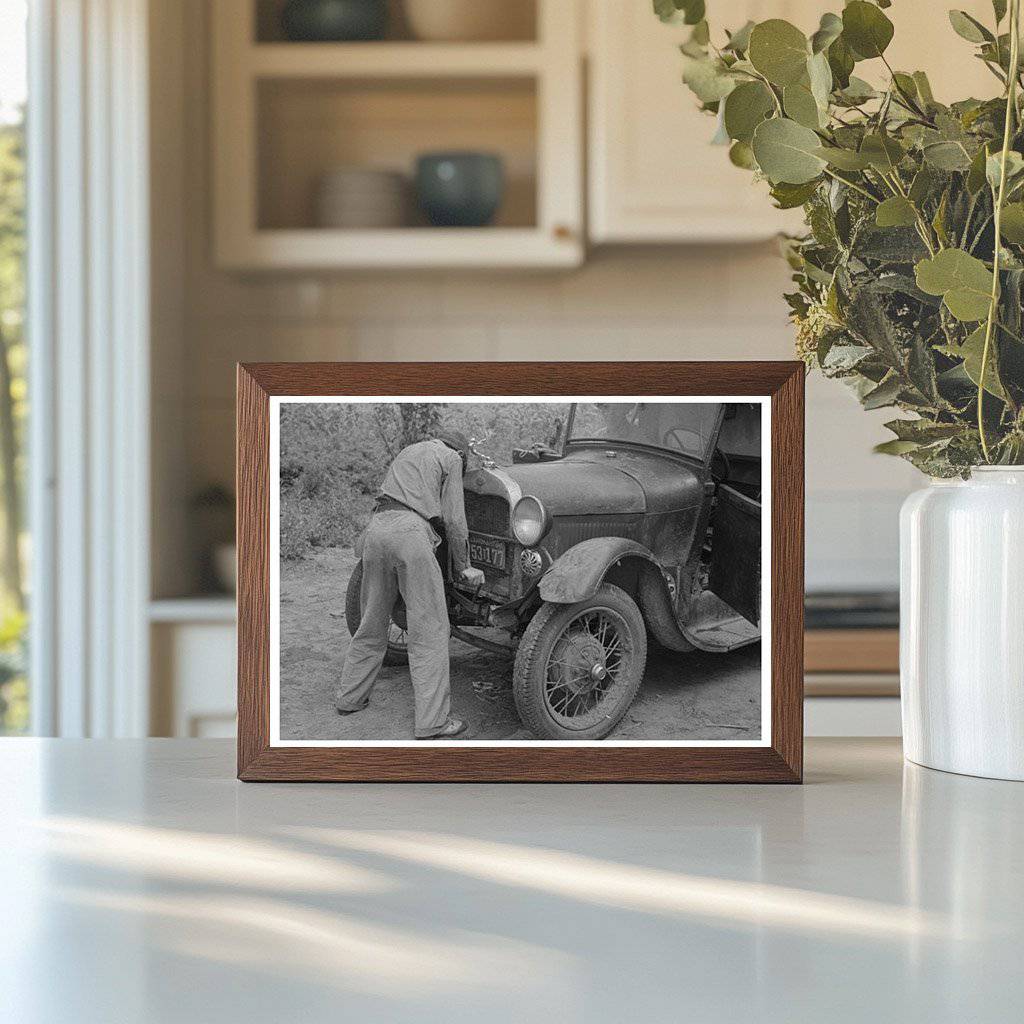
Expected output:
(398, 559)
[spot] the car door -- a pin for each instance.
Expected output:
(736, 552)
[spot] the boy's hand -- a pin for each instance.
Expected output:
(474, 577)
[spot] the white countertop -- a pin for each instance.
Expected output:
(140, 882)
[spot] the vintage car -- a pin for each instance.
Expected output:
(637, 519)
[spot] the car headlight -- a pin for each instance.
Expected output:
(530, 520)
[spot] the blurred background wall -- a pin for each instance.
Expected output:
(704, 296)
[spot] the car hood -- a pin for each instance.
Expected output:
(595, 481)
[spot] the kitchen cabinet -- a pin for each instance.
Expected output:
(654, 177)
(287, 114)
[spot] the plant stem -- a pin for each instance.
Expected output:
(980, 232)
(907, 99)
(771, 91)
(894, 183)
(1011, 108)
(853, 185)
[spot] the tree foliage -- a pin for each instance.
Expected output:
(334, 456)
(13, 408)
(902, 291)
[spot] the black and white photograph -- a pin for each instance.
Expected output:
(500, 571)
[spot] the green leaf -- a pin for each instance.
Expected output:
(721, 136)
(971, 351)
(739, 41)
(801, 106)
(924, 88)
(693, 10)
(922, 185)
(779, 51)
(947, 156)
(856, 92)
(993, 167)
(999, 9)
(921, 370)
(745, 108)
(889, 245)
(741, 155)
(701, 34)
(666, 10)
(922, 431)
(819, 74)
(866, 29)
(689, 12)
(1012, 223)
(868, 319)
(829, 30)
(939, 220)
(840, 61)
(707, 78)
(969, 28)
(895, 212)
(905, 84)
(844, 159)
(885, 394)
(976, 173)
(883, 152)
(787, 151)
(895, 447)
(963, 281)
(788, 196)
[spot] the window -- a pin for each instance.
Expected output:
(14, 695)
(676, 426)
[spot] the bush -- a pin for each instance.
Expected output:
(334, 457)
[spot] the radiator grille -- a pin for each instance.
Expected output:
(487, 513)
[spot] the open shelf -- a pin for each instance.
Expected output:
(410, 248)
(520, 24)
(286, 114)
(390, 60)
(309, 127)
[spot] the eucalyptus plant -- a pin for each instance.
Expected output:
(910, 278)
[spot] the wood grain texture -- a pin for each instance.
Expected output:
(545, 762)
(253, 533)
(852, 650)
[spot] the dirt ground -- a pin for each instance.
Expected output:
(683, 696)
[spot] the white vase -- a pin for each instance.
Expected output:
(962, 624)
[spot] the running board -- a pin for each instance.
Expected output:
(483, 644)
(715, 626)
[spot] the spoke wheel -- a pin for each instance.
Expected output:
(579, 667)
(398, 637)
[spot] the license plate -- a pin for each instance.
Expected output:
(487, 554)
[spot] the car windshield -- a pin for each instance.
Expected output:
(685, 427)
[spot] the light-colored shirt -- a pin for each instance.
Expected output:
(427, 476)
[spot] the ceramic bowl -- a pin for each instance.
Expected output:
(333, 21)
(359, 197)
(470, 20)
(460, 189)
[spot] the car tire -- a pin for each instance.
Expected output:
(556, 696)
(397, 653)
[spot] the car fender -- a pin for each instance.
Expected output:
(577, 574)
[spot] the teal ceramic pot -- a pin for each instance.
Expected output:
(460, 189)
(334, 21)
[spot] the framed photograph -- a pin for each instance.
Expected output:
(520, 571)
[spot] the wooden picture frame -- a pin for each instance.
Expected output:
(779, 759)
